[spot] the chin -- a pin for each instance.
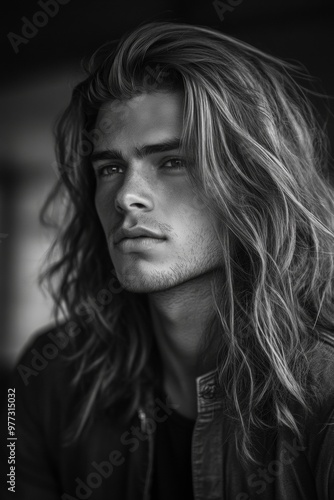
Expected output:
(143, 286)
(146, 282)
(138, 288)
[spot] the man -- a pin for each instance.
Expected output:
(196, 275)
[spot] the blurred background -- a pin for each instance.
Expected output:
(43, 43)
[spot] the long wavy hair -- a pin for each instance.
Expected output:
(260, 166)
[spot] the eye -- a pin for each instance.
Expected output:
(174, 164)
(109, 170)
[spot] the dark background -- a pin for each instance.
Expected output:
(36, 84)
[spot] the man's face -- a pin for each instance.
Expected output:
(158, 233)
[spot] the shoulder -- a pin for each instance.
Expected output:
(46, 352)
(60, 336)
(46, 397)
(43, 375)
(322, 365)
(320, 423)
(319, 436)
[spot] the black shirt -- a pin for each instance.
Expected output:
(172, 473)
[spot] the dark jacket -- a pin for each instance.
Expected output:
(113, 460)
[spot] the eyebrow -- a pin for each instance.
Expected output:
(145, 150)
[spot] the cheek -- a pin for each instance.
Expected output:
(194, 223)
(189, 211)
(179, 198)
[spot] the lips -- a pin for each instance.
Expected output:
(136, 232)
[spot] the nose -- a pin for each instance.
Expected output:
(135, 193)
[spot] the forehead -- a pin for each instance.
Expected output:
(143, 118)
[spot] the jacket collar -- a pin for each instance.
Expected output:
(207, 392)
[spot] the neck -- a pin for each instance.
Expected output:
(180, 316)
